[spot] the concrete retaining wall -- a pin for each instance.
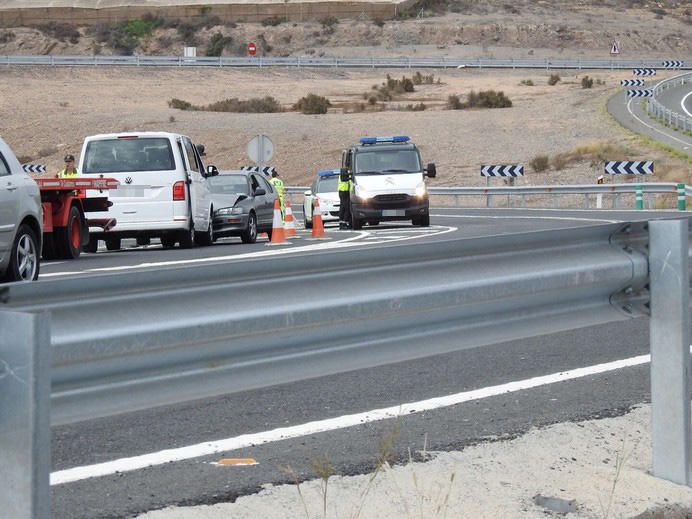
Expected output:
(240, 12)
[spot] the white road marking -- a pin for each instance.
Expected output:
(629, 109)
(331, 424)
(682, 103)
(514, 217)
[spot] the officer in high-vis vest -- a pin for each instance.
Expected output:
(70, 169)
(279, 188)
(344, 202)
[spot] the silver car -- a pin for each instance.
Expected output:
(21, 220)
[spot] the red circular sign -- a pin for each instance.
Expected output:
(251, 48)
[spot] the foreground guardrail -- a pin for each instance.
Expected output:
(671, 117)
(122, 342)
(614, 191)
(335, 62)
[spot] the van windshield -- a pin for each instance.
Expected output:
(387, 161)
(327, 184)
(128, 155)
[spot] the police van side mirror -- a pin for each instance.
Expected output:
(343, 175)
(431, 171)
(212, 171)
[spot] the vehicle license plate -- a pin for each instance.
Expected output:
(393, 212)
(127, 191)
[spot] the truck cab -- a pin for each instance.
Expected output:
(387, 181)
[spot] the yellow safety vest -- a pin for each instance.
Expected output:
(279, 186)
(68, 174)
(344, 186)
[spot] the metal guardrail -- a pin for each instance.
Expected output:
(671, 117)
(587, 190)
(123, 342)
(336, 62)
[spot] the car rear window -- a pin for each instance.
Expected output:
(128, 155)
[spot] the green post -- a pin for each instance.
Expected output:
(640, 197)
(682, 198)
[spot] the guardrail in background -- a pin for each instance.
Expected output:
(122, 342)
(336, 62)
(671, 117)
(616, 191)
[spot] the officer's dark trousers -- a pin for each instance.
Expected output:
(344, 208)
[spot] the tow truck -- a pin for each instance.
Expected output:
(64, 202)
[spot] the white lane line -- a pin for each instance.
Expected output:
(629, 109)
(285, 433)
(682, 103)
(515, 217)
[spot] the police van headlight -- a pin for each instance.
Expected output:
(229, 210)
(362, 193)
(421, 190)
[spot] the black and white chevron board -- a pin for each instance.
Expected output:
(34, 168)
(631, 82)
(267, 170)
(673, 64)
(502, 170)
(640, 93)
(644, 71)
(624, 167)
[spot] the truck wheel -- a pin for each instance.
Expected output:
(92, 246)
(249, 235)
(356, 224)
(187, 238)
(168, 242)
(422, 221)
(48, 252)
(68, 239)
(24, 260)
(113, 244)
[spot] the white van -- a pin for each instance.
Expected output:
(163, 190)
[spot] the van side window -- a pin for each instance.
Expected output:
(4, 168)
(191, 159)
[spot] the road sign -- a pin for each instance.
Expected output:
(673, 64)
(252, 48)
(644, 71)
(615, 47)
(266, 170)
(631, 82)
(640, 93)
(34, 168)
(502, 170)
(260, 149)
(624, 167)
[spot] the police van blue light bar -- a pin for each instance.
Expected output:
(392, 138)
(328, 172)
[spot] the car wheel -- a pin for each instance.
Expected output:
(113, 244)
(168, 242)
(422, 221)
(68, 239)
(356, 224)
(249, 235)
(92, 246)
(24, 261)
(187, 238)
(206, 238)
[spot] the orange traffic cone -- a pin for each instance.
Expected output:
(278, 236)
(317, 227)
(290, 223)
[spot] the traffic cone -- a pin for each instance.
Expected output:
(317, 227)
(278, 236)
(290, 223)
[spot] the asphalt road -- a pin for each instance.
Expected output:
(631, 113)
(355, 449)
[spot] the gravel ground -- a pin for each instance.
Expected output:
(593, 469)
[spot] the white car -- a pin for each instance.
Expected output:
(21, 220)
(163, 191)
(325, 188)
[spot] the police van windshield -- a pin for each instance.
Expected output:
(228, 185)
(387, 161)
(128, 155)
(327, 184)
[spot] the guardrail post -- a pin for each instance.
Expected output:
(682, 198)
(670, 350)
(24, 414)
(639, 197)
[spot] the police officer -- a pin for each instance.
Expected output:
(344, 203)
(279, 188)
(70, 169)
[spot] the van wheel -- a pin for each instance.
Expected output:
(374, 222)
(113, 244)
(92, 246)
(187, 238)
(356, 224)
(249, 235)
(24, 261)
(423, 221)
(168, 242)
(142, 241)
(206, 238)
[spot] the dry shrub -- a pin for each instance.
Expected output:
(7, 37)
(554, 79)
(312, 104)
(217, 44)
(454, 103)
(482, 99)
(539, 163)
(586, 82)
(256, 105)
(179, 104)
(560, 161)
(60, 31)
(423, 79)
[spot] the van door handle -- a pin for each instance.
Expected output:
(10, 187)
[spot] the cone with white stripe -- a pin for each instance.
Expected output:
(290, 223)
(317, 227)
(278, 235)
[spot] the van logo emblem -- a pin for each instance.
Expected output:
(389, 180)
(128, 180)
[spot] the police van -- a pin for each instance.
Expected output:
(387, 181)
